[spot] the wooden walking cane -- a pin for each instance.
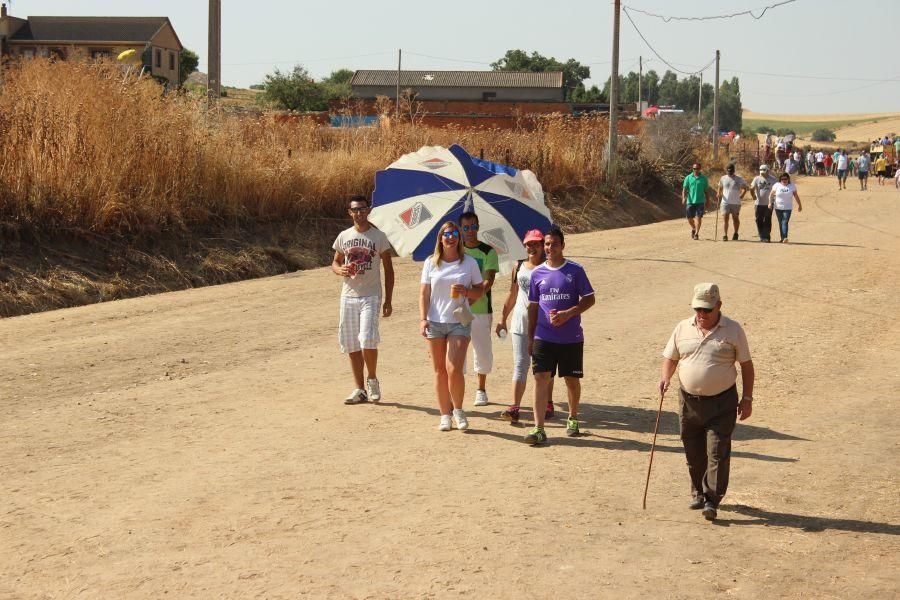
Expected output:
(662, 396)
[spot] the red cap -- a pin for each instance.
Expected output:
(534, 235)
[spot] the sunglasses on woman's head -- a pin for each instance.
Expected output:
(451, 234)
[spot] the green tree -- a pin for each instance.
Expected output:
(294, 90)
(823, 135)
(337, 85)
(187, 64)
(592, 95)
(668, 89)
(574, 73)
(730, 109)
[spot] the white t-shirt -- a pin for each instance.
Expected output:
(440, 279)
(820, 157)
(731, 188)
(519, 322)
(362, 252)
(784, 195)
(763, 187)
(842, 162)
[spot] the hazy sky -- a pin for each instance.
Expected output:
(809, 56)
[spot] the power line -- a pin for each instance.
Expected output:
(795, 76)
(750, 12)
(658, 55)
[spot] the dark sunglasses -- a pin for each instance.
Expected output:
(705, 311)
(360, 209)
(473, 227)
(451, 234)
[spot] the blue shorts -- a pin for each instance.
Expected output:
(444, 330)
(842, 173)
(695, 210)
(863, 174)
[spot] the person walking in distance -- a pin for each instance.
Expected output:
(862, 167)
(360, 254)
(759, 189)
(730, 192)
(881, 169)
(559, 293)
(704, 348)
(695, 192)
(488, 264)
(450, 278)
(781, 198)
(843, 166)
(517, 305)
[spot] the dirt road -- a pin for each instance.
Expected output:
(194, 444)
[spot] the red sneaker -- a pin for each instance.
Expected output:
(511, 414)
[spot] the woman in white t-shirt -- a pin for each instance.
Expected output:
(450, 279)
(781, 198)
(517, 305)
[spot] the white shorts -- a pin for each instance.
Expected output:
(359, 323)
(482, 344)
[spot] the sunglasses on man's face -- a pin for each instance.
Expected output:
(472, 227)
(451, 234)
(705, 311)
(359, 209)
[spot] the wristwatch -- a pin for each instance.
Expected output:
(747, 398)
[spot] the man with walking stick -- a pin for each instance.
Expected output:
(707, 345)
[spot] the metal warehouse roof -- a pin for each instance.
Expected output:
(94, 29)
(510, 79)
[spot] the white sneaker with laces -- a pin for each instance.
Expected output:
(459, 417)
(445, 423)
(357, 396)
(374, 389)
(481, 398)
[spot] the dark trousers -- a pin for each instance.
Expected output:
(707, 423)
(764, 222)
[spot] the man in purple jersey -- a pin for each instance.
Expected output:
(559, 293)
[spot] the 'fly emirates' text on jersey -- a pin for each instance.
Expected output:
(558, 289)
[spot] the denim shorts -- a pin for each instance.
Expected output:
(444, 330)
(694, 210)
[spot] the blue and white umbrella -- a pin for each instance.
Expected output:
(417, 193)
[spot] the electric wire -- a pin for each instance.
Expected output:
(750, 12)
(658, 55)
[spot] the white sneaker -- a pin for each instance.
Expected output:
(357, 396)
(481, 398)
(374, 389)
(459, 417)
(445, 423)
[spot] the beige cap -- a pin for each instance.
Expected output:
(706, 295)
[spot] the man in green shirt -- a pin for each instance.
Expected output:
(489, 263)
(694, 194)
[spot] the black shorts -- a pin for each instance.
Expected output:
(695, 210)
(566, 359)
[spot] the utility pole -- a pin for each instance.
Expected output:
(700, 100)
(399, 62)
(716, 113)
(613, 98)
(214, 76)
(640, 83)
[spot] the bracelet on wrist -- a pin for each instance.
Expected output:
(747, 398)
